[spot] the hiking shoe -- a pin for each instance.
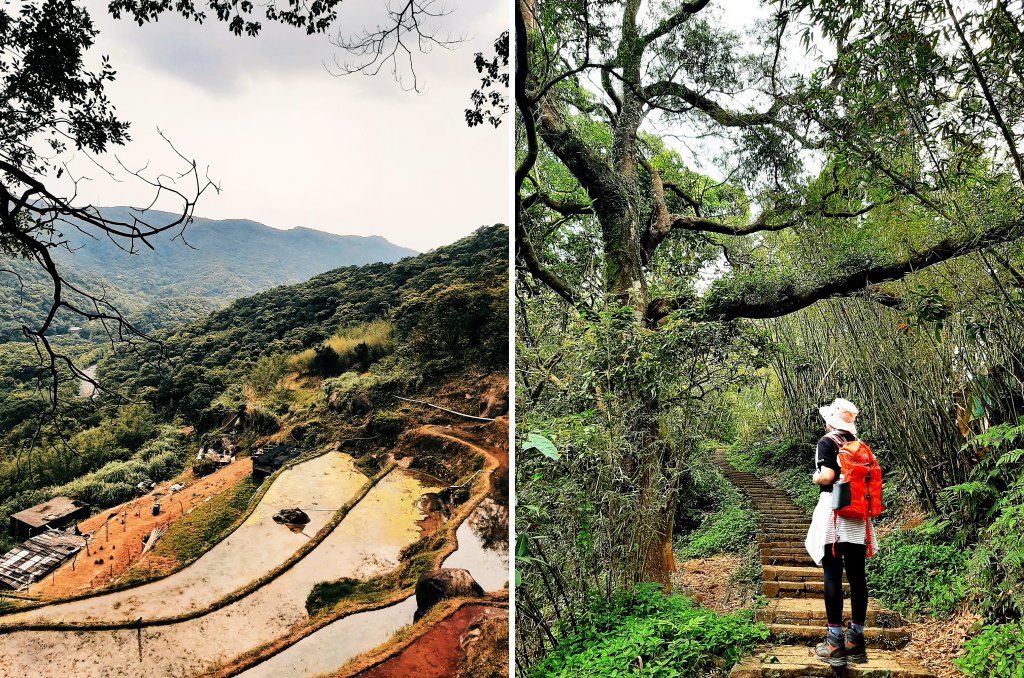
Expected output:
(833, 656)
(856, 651)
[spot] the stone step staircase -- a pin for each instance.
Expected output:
(795, 613)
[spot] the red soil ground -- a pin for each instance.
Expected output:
(118, 542)
(438, 652)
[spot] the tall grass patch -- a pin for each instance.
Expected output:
(355, 348)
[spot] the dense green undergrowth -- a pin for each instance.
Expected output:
(919, 572)
(728, 529)
(647, 633)
(995, 651)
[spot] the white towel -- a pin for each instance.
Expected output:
(824, 525)
(821, 524)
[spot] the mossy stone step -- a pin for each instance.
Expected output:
(796, 589)
(791, 573)
(795, 534)
(810, 612)
(796, 661)
(878, 637)
(796, 557)
(794, 560)
(787, 550)
(777, 542)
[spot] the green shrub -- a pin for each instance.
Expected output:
(913, 572)
(387, 423)
(997, 565)
(786, 453)
(646, 633)
(727, 530)
(266, 373)
(995, 652)
(326, 594)
(261, 422)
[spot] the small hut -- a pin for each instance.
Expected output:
(57, 512)
(267, 460)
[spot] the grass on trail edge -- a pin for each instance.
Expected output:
(729, 529)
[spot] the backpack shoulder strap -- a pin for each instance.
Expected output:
(839, 442)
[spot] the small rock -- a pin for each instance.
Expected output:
(291, 516)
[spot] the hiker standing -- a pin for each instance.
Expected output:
(835, 541)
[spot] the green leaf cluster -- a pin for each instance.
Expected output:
(994, 653)
(644, 632)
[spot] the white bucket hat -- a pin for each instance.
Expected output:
(841, 414)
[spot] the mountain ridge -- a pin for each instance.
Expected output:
(213, 263)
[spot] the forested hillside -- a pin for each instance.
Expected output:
(373, 332)
(204, 267)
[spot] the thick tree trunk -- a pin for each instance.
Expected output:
(623, 269)
(657, 560)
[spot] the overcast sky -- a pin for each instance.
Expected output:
(291, 145)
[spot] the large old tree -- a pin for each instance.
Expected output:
(893, 149)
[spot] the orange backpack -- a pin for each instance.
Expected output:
(862, 475)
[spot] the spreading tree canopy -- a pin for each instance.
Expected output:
(685, 173)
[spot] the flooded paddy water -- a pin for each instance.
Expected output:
(482, 549)
(87, 389)
(483, 546)
(320, 485)
(368, 542)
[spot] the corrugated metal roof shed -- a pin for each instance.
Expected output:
(31, 561)
(49, 511)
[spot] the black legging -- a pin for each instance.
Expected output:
(853, 555)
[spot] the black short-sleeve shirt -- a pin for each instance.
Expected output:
(828, 454)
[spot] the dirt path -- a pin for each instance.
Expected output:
(118, 541)
(366, 543)
(86, 389)
(795, 613)
(710, 581)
